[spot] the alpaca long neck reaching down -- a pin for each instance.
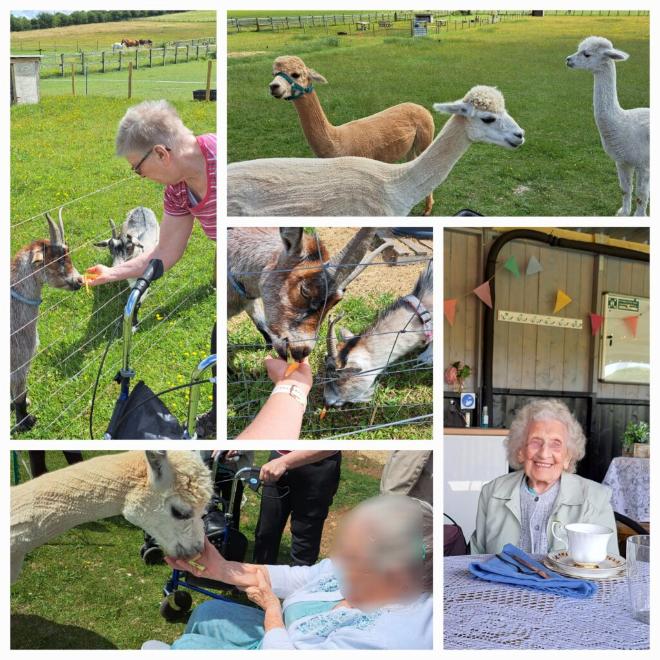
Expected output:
(55, 502)
(424, 174)
(320, 133)
(606, 100)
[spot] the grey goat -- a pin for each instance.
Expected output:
(286, 282)
(41, 262)
(137, 235)
(405, 326)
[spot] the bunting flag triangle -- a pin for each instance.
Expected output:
(631, 321)
(483, 293)
(563, 299)
(596, 322)
(450, 310)
(533, 266)
(512, 266)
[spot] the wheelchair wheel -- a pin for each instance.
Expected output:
(176, 606)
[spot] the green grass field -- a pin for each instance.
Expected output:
(89, 589)
(62, 149)
(561, 170)
(404, 393)
(101, 36)
(176, 83)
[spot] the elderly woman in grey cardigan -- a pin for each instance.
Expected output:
(544, 445)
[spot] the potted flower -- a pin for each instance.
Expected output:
(456, 374)
(636, 440)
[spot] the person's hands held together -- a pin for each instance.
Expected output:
(262, 594)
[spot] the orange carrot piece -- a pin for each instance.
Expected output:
(291, 368)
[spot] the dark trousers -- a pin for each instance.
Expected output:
(311, 489)
(38, 461)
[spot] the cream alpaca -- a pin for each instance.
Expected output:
(164, 493)
(352, 186)
(624, 134)
(401, 132)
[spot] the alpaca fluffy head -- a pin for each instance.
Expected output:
(595, 54)
(293, 67)
(486, 117)
(173, 491)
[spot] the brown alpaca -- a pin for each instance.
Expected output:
(400, 132)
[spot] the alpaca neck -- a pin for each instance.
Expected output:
(431, 167)
(320, 133)
(58, 501)
(606, 100)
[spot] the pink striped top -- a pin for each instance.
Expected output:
(179, 199)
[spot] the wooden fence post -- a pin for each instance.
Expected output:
(187, 52)
(130, 79)
(62, 63)
(102, 61)
(176, 53)
(208, 80)
(197, 56)
(137, 51)
(73, 78)
(164, 54)
(150, 52)
(120, 56)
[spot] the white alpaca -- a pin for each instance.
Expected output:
(352, 186)
(623, 133)
(400, 132)
(163, 493)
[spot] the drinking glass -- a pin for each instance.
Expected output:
(638, 569)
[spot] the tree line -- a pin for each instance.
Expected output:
(45, 20)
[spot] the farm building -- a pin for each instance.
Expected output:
(24, 78)
(538, 314)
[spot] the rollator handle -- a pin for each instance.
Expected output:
(152, 272)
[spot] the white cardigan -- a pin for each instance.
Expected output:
(404, 626)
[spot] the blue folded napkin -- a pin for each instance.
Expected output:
(509, 571)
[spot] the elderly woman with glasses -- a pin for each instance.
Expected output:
(375, 592)
(544, 445)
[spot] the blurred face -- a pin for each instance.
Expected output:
(545, 453)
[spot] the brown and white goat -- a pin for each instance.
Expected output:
(405, 326)
(41, 262)
(286, 282)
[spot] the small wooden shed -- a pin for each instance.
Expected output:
(24, 78)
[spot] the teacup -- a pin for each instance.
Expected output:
(586, 543)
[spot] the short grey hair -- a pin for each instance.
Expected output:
(147, 124)
(401, 534)
(540, 410)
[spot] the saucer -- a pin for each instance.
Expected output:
(611, 566)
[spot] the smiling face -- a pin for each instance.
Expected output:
(544, 456)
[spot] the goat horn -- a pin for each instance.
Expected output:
(52, 229)
(113, 227)
(352, 253)
(364, 262)
(332, 338)
(61, 223)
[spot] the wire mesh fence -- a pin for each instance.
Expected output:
(391, 397)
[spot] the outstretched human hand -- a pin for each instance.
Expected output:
(210, 559)
(277, 368)
(99, 274)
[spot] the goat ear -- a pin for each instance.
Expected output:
(292, 239)
(160, 471)
(615, 54)
(102, 244)
(316, 76)
(37, 256)
(454, 108)
(345, 334)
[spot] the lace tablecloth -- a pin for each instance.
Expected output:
(629, 480)
(488, 615)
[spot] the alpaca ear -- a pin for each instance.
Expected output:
(615, 54)
(292, 239)
(316, 76)
(454, 108)
(159, 469)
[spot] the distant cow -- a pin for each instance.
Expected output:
(130, 43)
(145, 42)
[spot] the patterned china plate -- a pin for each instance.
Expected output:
(611, 566)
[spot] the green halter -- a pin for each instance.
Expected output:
(297, 90)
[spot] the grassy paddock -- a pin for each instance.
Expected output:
(561, 170)
(62, 149)
(175, 83)
(88, 589)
